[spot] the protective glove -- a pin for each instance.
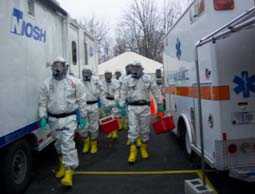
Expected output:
(122, 109)
(123, 112)
(120, 106)
(161, 108)
(117, 104)
(78, 115)
(83, 123)
(99, 103)
(43, 123)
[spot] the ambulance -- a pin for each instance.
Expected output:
(209, 49)
(32, 34)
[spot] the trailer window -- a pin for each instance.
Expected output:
(197, 10)
(74, 52)
(31, 7)
(91, 51)
(86, 53)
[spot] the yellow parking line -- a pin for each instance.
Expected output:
(208, 182)
(157, 172)
(118, 173)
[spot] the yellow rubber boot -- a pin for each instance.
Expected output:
(138, 142)
(124, 124)
(120, 124)
(128, 142)
(109, 135)
(144, 151)
(86, 145)
(132, 154)
(115, 135)
(68, 178)
(93, 147)
(61, 170)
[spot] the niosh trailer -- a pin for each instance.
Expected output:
(227, 84)
(33, 33)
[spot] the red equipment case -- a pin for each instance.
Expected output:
(109, 124)
(163, 125)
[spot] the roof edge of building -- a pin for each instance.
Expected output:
(54, 6)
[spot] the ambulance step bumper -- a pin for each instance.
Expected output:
(245, 174)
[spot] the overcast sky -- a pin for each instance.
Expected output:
(103, 9)
(107, 10)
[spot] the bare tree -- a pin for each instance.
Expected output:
(170, 12)
(120, 46)
(144, 25)
(100, 31)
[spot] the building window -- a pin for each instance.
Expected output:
(86, 53)
(74, 52)
(91, 51)
(31, 7)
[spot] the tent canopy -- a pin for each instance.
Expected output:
(119, 63)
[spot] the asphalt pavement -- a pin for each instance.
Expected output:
(111, 174)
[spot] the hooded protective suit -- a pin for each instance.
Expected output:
(109, 96)
(110, 100)
(136, 93)
(93, 91)
(59, 99)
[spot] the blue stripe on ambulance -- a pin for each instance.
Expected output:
(18, 134)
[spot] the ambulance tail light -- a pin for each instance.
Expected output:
(232, 148)
(221, 5)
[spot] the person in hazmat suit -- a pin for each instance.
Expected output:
(136, 92)
(122, 112)
(109, 100)
(117, 82)
(91, 131)
(118, 75)
(129, 69)
(60, 97)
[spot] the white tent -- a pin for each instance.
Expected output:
(119, 63)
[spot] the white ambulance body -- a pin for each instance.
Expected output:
(32, 34)
(227, 75)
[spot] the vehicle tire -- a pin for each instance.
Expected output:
(16, 167)
(187, 146)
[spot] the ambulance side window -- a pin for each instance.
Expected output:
(197, 10)
(74, 52)
(31, 7)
